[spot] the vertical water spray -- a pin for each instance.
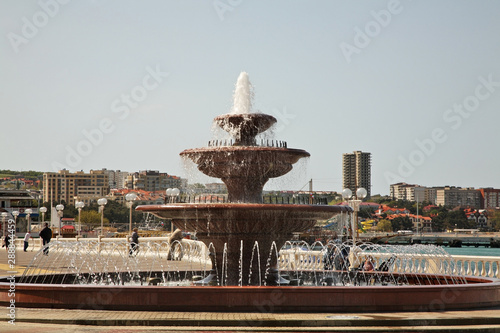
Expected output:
(243, 95)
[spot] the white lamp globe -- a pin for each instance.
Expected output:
(43, 209)
(15, 213)
(169, 191)
(79, 204)
(361, 193)
(102, 201)
(130, 196)
(60, 207)
(29, 211)
(346, 193)
(175, 191)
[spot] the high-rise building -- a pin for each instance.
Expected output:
(68, 187)
(356, 171)
(117, 178)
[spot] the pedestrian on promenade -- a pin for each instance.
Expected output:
(46, 235)
(7, 241)
(134, 242)
(26, 240)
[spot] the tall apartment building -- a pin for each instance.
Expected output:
(66, 186)
(356, 171)
(490, 197)
(411, 192)
(117, 178)
(152, 180)
(456, 196)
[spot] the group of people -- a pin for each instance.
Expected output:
(338, 259)
(45, 235)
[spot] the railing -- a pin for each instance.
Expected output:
(189, 249)
(477, 266)
(298, 259)
(266, 199)
(258, 143)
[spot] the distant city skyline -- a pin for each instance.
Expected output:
(129, 85)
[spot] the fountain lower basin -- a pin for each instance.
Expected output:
(478, 293)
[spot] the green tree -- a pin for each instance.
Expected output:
(494, 218)
(384, 226)
(92, 219)
(449, 220)
(401, 223)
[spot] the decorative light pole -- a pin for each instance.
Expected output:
(60, 209)
(28, 212)
(130, 197)
(15, 214)
(102, 202)
(172, 194)
(43, 210)
(354, 204)
(79, 205)
(4, 218)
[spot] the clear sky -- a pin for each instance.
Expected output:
(130, 84)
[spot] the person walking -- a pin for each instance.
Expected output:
(7, 241)
(26, 240)
(46, 235)
(134, 242)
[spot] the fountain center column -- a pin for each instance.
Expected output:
(244, 191)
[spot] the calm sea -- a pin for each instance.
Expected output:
(473, 251)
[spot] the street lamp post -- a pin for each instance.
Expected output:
(79, 205)
(130, 197)
(172, 194)
(15, 214)
(28, 212)
(102, 202)
(43, 210)
(60, 209)
(354, 203)
(4, 218)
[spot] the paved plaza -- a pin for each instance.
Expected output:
(50, 320)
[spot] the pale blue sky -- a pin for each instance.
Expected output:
(70, 68)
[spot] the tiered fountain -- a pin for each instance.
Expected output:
(244, 166)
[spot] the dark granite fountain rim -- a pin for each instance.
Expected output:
(247, 206)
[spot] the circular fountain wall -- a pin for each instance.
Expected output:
(100, 275)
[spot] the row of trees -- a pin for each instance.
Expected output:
(442, 218)
(444, 221)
